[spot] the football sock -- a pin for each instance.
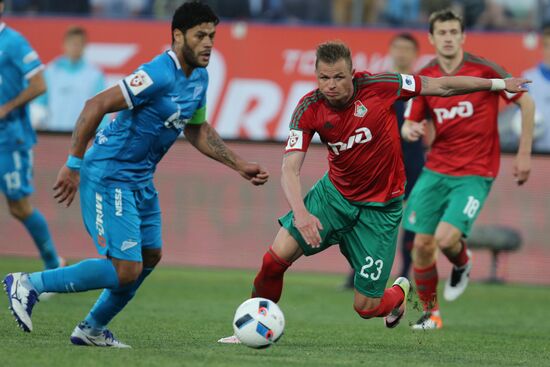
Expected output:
(112, 301)
(406, 248)
(83, 276)
(38, 228)
(269, 281)
(392, 298)
(426, 285)
(461, 258)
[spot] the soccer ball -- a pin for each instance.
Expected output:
(258, 323)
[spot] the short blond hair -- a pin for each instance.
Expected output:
(332, 51)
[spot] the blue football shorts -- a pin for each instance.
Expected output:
(120, 221)
(16, 174)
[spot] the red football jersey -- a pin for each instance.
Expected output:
(364, 148)
(466, 141)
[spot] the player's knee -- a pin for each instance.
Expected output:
(366, 307)
(424, 248)
(128, 272)
(151, 258)
(445, 241)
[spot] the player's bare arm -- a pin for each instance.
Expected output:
(454, 85)
(110, 100)
(522, 164)
(304, 221)
(206, 139)
(36, 87)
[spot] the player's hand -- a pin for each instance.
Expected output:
(411, 132)
(254, 173)
(66, 185)
(522, 168)
(515, 85)
(309, 226)
(3, 112)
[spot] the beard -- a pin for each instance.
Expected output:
(190, 58)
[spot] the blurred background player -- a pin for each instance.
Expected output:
(71, 80)
(403, 52)
(357, 204)
(119, 202)
(461, 165)
(540, 91)
(21, 80)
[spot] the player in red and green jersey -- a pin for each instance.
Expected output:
(358, 203)
(461, 165)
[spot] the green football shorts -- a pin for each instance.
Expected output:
(442, 198)
(366, 233)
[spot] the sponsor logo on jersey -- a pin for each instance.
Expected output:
(295, 139)
(408, 82)
(118, 202)
(128, 244)
(101, 138)
(360, 109)
(174, 121)
(363, 136)
(463, 109)
(99, 220)
(138, 82)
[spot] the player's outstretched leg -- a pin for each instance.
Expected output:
(23, 289)
(269, 280)
(460, 274)
(22, 298)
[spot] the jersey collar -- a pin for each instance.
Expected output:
(2, 26)
(172, 54)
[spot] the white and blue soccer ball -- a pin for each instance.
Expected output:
(258, 323)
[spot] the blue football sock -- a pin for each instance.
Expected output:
(112, 301)
(86, 275)
(38, 229)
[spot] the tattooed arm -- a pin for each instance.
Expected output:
(110, 100)
(208, 142)
(454, 85)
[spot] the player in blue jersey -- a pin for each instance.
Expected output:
(119, 203)
(21, 80)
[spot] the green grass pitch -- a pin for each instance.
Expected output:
(179, 313)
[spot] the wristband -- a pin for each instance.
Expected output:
(74, 163)
(497, 84)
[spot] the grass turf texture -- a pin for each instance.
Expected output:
(179, 313)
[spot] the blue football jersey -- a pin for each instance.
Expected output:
(18, 63)
(161, 101)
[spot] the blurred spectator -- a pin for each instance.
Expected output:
(70, 80)
(343, 10)
(508, 15)
(121, 8)
(470, 11)
(402, 12)
(73, 7)
(540, 91)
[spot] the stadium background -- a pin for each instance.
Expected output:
(258, 72)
